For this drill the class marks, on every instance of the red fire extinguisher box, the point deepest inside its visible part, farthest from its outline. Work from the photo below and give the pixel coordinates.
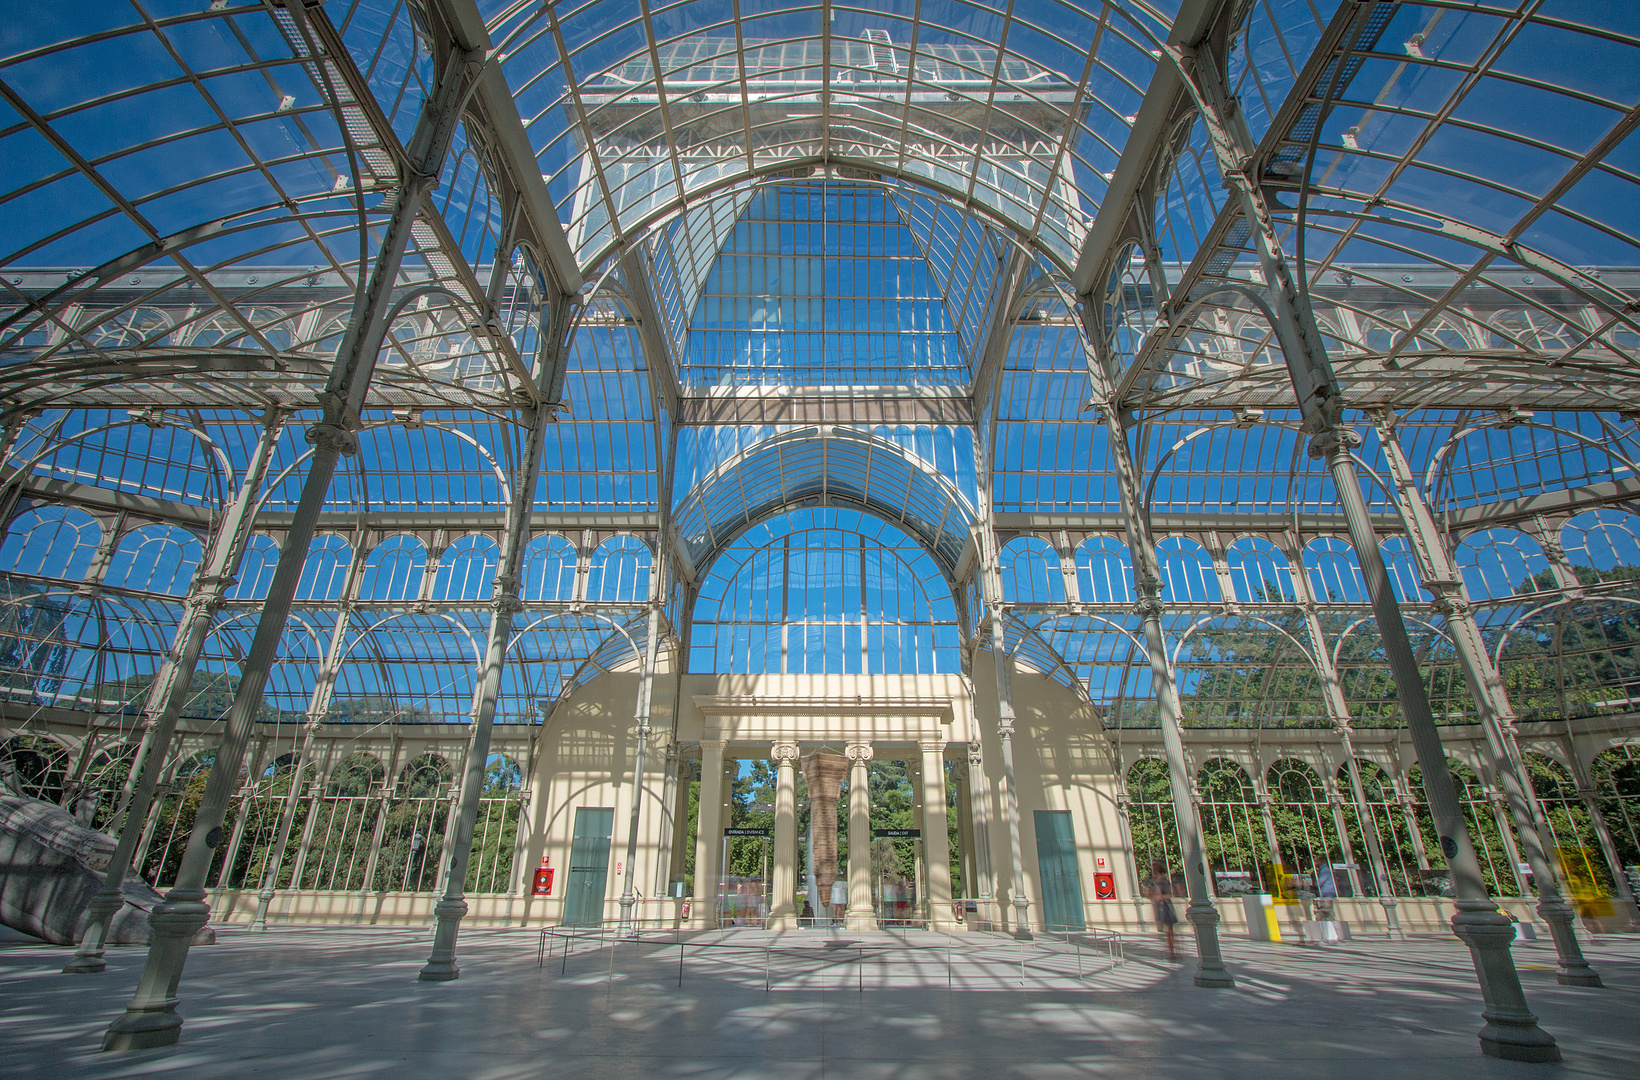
(1104, 886)
(543, 879)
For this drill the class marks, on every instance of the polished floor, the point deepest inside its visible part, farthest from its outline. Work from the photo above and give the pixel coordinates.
(333, 1003)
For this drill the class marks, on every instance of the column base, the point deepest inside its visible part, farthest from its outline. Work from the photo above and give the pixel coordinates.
(862, 920)
(782, 918)
(1572, 969)
(1508, 1050)
(259, 921)
(150, 1019)
(441, 966)
(1511, 1031)
(1210, 970)
(88, 957)
(144, 1031)
(87, 964)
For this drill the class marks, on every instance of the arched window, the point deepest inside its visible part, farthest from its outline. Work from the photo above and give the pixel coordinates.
(1502, 562)
(1187, 571)
(1603, 544)
(345, 824)
(490, 869)
(824, 592)
(413, 839)
(355, 775)
(1329, 563)
(255, 569)
(155, 558)
(393, 570)
(1304, 826)
(325, 571)
(619, 570)
(549, 569)
(51, 541)
(1104, 574)
(466, 570)
(1030, 573)
(1403, 570)
(1616, 776)
(1485, 834)
(1151, 818)
(1260, 572)
(1575, 840)
(1232, 828)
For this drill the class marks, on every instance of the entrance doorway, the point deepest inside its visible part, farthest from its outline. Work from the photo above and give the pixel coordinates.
(1056, 861)
(588, 866)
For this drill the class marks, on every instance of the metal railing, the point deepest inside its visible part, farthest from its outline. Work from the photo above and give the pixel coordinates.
(1092, 951)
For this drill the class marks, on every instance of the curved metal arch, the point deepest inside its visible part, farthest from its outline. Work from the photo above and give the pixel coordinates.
(576, 680)
(1565, 601)
(834, 499)
(1132, 637)
(362, 634)
(1363, 620)
(272, 483)
(1202, 622)
(1436, 472)
(225, 477)
(622, 241)
(1028, 631)
(96, 611)
(1156, 472)
(605, 285)
(306, 628)
(786, 498)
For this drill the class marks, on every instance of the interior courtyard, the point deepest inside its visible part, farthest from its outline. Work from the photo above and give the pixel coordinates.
(757, 538)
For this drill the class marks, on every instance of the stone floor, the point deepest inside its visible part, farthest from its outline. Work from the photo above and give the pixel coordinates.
(329, 1003)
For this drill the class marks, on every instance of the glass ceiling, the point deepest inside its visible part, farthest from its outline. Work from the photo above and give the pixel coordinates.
(891, 228)
(1017, 113)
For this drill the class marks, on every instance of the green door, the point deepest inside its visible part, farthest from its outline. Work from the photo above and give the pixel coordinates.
(588, 866)
(1056, 861)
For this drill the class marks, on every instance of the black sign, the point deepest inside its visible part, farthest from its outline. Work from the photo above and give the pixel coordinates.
(745, 832)
(896, 832)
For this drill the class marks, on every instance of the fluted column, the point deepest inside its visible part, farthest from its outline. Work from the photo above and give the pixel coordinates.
(150, 1018)
(936, 834)
(708, 833)
(783, 912)
(169, 693)
(1201, 911)
(860, 914)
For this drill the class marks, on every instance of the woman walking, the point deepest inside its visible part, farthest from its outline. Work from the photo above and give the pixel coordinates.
(1161, 903)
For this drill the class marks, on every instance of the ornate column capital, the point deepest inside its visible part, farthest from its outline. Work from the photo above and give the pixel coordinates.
(784, 754)
(859, 753)
(713, 744)
(931, 746)
(327, 435)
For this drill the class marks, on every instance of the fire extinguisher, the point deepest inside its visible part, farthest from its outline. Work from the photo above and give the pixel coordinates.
(686, 907)
(543, 878)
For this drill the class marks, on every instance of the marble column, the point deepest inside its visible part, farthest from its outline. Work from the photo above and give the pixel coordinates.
(783, 910)
(708, 833)
(965, 828)
(860, 914)
(936, 835)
